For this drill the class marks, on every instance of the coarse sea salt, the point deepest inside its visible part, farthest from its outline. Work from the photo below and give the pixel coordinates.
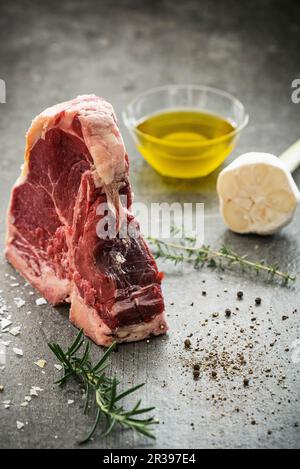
(18, 351)
(40, 363)
(34, 391)
(20, 425)
(19, 302)
(40, 301)
(15, 330)
(5, 323)
(5, 343)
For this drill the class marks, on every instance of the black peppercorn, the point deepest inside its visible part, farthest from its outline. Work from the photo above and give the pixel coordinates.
(240, 295)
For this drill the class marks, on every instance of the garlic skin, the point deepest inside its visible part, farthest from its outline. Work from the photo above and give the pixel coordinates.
(257, 194)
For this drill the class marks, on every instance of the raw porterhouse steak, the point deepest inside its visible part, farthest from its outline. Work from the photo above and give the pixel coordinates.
(75, 160)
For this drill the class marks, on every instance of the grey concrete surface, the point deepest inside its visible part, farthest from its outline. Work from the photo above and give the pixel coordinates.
(53, 51)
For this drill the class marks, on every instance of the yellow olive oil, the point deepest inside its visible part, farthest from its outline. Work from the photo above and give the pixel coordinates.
(185, 143)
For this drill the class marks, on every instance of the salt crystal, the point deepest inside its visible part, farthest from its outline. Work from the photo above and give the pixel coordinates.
(70, 401)
(58, 367)
(20, 425)
(15, 330)
(120, 258)
(40, 363)
(5, 343)
(19, 302)
(37, 388)
(5, 323)
(24, 404)
(14, 284)
(40, 301)
(27, 398)
(18, 352)
(34, 391)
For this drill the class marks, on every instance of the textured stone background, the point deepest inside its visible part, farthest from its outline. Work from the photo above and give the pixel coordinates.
(52, 51)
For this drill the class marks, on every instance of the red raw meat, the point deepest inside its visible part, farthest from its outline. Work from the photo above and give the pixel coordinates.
(75, 160)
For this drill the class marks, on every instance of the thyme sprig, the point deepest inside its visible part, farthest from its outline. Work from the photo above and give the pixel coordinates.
(186, 251)
(102, 390)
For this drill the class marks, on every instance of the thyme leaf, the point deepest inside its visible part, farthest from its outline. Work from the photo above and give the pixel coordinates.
(185, 250)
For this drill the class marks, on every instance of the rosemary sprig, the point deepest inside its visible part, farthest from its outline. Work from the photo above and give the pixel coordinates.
(186, 251)
(102, 390)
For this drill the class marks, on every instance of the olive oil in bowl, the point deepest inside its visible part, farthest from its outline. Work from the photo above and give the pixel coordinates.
(185, 143)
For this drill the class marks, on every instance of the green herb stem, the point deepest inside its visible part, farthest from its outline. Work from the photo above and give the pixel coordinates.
(187, 252)
(101, 390)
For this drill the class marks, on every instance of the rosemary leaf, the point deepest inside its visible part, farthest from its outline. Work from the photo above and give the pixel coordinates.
(101, 389)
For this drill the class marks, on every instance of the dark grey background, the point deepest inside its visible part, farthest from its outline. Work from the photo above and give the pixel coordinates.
(53, 51)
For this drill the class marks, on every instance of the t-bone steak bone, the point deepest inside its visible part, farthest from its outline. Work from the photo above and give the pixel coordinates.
(75, 160)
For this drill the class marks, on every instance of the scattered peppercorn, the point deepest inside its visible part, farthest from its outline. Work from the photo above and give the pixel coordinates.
(187, 343)
(196, 374)
(204, 293)
(258, 301)
(214, 374)
(240, 295)
(246, 382)
(196, 367)
(284, 318)
(227, 313)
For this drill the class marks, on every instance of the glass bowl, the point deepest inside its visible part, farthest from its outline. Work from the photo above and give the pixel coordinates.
(191, 158)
